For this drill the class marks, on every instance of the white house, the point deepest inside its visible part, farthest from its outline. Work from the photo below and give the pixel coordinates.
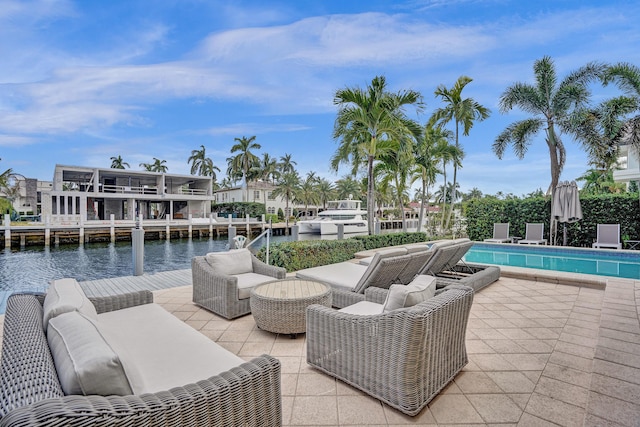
(629, 165)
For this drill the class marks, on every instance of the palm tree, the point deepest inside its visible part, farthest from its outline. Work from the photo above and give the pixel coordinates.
(288, 187)
(201, 164)
(325, 191)
(429, 152)
(242, 162)
(268, 168)
(307, 193)
(394, 168)
(551, 104)
(462, 111)
(627, 77)
(348, 187)
(118, 163)
(364, 120)
(286, 164)
(157, 166)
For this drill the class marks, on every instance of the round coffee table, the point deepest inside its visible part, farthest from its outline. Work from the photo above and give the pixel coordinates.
(280, 306)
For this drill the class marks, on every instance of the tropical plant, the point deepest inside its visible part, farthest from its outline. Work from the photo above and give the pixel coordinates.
(364, 120)
(325, 191)
(157, 166)
(118, 163)
(627, 77)
(347, 188)
(201, 164)
(241, 163)
(268, 168)
(286, 164)
(288, 187)
(394, 168)
(463, 112)
(307, 193)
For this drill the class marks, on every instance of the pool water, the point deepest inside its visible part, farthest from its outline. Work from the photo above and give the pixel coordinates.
(615, 263)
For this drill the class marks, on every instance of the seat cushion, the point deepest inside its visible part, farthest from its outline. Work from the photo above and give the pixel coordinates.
(363, 308)
(248, 281)
(342, 275)
(85, 362)
(160, 352)
(420, 289)
(236, 261)
(63, 296)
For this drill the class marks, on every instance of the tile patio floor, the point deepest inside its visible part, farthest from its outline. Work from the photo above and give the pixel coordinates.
(540, 354)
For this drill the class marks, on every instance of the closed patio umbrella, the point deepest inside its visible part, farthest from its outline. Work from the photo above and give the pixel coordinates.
(566, 205)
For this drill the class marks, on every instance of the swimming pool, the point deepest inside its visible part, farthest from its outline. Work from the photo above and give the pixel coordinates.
(614, 263)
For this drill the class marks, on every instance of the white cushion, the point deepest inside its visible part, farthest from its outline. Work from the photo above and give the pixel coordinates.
(248, 281)
(236, 261)
(420, 289)
(160, 352)
(342, 275)
(363, 308)
(85, 362)
(63, 296)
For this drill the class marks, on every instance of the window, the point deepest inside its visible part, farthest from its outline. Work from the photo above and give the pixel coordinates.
(270, 196)
(271, 210)
(256, 195)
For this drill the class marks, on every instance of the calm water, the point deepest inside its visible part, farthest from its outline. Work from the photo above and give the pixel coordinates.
(614, 263)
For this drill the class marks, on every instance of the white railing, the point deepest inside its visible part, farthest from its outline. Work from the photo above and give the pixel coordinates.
(128, 190)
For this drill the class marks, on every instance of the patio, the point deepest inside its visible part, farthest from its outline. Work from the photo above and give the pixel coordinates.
(540, 354)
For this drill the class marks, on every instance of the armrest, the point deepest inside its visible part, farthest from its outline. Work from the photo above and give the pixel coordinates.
(375, 294)
(260, 267)
(118, 302)
(245, 395)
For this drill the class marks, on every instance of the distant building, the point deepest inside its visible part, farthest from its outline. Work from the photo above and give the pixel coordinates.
(628, 164)
(89, 194)
(26, 195)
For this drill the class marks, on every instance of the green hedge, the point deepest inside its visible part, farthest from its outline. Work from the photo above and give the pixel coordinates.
(623, 209)
(241, 209)
(295, 256)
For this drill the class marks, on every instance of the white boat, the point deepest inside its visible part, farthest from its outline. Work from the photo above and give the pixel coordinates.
(346, 212)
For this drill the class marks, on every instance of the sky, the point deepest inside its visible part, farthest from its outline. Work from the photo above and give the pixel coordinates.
(83, 81)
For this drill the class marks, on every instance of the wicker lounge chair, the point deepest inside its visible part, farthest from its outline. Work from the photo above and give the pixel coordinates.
(534, 235)
(348, 280)
(228, 294)
(404, 357)
(608, 236)
(500, 233)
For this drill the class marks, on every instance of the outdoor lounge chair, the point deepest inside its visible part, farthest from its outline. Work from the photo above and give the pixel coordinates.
(534, 235)
(222, 281)
(349, 280)
(403, 357)
(500, 233)
(608, 236)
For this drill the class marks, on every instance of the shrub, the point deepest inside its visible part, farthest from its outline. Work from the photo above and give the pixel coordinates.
(271, 217)
(240, 209)
(294, 256)
(390, 239)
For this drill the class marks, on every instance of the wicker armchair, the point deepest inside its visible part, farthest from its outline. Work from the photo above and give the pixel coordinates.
(220, 293)
(403, 357)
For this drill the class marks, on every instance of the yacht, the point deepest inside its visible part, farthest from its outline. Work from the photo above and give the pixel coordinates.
(347, 212)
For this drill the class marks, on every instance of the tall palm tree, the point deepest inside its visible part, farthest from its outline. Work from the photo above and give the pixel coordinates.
(429, 152)
(394, 168)
(551, 103)
(288, 187)
(268, 168)
(241, 163)
(157, 166)
(447, 153)
(118, 163)
(348, 187)
(286, 164)
(201, 164)
(364, 120)
(307, 193)
(326, 191)
(462, 111)
(627, 77)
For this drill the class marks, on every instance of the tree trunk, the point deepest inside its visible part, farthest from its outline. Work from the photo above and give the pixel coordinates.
(421, 214)
(455, 175)
(370, 196)
(555, 177)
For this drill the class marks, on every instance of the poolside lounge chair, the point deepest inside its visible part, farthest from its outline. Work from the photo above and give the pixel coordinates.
(403, 357)
(534, 235)
(608, 236)
(349, 280)
(500, 233)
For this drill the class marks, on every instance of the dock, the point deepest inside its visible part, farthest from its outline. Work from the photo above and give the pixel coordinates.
(125, 284)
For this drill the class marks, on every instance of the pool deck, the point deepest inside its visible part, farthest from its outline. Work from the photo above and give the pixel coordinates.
(541, 353)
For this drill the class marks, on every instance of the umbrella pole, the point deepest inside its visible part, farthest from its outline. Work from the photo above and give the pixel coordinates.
(564, 238)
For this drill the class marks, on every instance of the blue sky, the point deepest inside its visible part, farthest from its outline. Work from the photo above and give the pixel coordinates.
(82, 81)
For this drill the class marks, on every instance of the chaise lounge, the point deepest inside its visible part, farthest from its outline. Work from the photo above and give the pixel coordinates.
(68, 360)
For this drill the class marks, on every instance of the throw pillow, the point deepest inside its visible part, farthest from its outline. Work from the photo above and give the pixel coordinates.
(420, 289)
(235, 261)
(85, 362)
(63, 296)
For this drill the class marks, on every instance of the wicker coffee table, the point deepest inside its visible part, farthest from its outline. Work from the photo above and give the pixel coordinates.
(280, 306)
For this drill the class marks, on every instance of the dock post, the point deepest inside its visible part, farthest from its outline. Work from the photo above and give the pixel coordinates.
(112, 229)
(190, 225)
(23, 240)
(7, 231)
(231, 235)
(340, 231)
(211, 226)
(81, 231)
(376, 227)
(137, 247)
(47, 230)
(248, 226)
(168, 228)
(294, 232)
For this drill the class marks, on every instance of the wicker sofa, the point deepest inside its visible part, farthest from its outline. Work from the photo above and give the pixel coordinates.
(33, 380)
(402, 357)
